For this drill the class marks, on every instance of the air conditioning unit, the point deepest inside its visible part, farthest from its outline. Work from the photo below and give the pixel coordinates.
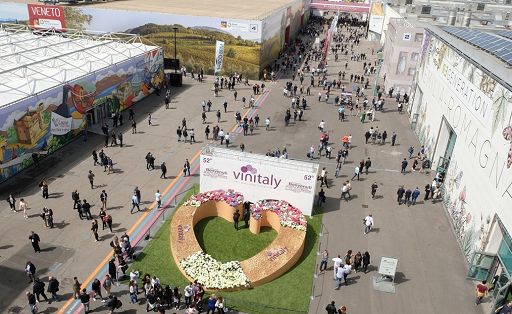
(426, 9)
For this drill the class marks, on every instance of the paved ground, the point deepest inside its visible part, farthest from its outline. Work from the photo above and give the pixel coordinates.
(431, 270)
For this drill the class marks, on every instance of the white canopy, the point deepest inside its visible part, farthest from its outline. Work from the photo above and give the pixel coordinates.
(32, 61)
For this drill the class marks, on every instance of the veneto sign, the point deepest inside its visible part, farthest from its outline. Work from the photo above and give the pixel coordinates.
(46, 16)
(258, 177)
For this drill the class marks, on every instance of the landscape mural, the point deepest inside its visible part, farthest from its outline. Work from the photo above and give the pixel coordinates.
(25, 126)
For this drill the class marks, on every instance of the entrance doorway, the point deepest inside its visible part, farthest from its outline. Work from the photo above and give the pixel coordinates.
(98, 115)
(446, 140)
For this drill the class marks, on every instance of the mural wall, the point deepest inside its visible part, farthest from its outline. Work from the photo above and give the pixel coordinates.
(279, 26)
(479, 110)
(40, 124)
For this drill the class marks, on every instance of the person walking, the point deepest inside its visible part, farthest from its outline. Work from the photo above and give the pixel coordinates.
(94, 229)
(186, 168)
(12, 202)
(367, 165)
(163, 168)
(481, 291)
(34, 240)
(393, 139)
(374, 188)
(158, 199)
(404, 166)
(400, 194)
(331, 308)
(135, 202)
(53, 288)
(30, 270)
(236, 218)
(85, 298)
(323, 262)
(368, 223)
(76, 288)
(96, 289)
(366, 261)
(323, 178)
(415, 194)
(218, 116)
(103, 199)
(91, 178)
(31, 298)
(86, 210)
(407, 197)
(428, 188)
(410, 150)
(267, 124)
(23, 207)
(356, 173)
(38, 290)
(107, 284)
(179, 133)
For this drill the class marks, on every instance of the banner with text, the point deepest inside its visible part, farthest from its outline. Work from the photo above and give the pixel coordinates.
(219, 55)
(46, 16)
(261, 177)
(60, 125)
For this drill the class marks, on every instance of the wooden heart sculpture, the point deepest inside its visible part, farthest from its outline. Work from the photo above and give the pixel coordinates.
(265, 266)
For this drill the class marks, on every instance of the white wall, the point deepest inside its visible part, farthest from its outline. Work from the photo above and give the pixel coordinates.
(479, 179)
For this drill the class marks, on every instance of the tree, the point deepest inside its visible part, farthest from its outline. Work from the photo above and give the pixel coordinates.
(231, 53)
(75, 19)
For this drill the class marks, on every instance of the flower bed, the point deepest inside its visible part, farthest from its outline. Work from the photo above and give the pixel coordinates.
(214, 274)
(289, 216)
(231, 197)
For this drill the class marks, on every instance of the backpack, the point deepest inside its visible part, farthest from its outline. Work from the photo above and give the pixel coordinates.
(119, 304)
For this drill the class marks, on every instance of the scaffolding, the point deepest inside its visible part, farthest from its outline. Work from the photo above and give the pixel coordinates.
(33, 61)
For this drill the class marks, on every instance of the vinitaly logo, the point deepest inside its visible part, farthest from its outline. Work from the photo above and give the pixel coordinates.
(250, 174)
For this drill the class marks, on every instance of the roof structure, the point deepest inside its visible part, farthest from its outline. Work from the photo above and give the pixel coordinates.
(234, 9)
(33, 61)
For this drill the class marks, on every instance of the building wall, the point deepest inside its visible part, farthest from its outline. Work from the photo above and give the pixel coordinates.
(401, 54)
(274, 28)
(479, 110)
(25, 126)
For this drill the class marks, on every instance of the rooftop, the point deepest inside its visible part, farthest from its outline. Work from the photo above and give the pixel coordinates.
(31, 63)
(235, 9)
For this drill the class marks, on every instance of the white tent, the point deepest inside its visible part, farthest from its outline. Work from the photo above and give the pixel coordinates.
(33, 61)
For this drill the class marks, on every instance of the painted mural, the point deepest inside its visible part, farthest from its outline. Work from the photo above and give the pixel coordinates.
(26, 126)
(280, 26)
(479, 109)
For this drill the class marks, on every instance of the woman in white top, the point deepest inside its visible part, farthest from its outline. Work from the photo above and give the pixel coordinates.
(23, 207)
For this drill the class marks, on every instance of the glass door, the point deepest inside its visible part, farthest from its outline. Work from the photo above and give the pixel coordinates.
(481, 266)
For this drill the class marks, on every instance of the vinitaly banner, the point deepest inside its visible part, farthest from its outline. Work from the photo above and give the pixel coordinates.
(259, 177)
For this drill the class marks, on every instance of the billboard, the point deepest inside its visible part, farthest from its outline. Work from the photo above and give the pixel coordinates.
(259, 177)
(46, 16)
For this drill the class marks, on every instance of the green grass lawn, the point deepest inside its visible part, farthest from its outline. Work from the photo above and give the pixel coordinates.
(213, 232)
(288, 294)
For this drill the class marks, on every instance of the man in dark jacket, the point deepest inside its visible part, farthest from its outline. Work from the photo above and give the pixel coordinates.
(400, 194)
(38, 289)
(53, 288)
(34, 239)
(331, 308)
(84, 299)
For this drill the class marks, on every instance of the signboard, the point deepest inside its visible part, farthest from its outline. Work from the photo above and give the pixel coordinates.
(387, 266)
(241, 27)
(46, 16)
(219, 55)
(259, 177)
(60, 125)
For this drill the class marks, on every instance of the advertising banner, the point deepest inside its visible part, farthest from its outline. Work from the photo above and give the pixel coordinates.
(46, 16)
(259, 177)
(219, 55)
(60, 125)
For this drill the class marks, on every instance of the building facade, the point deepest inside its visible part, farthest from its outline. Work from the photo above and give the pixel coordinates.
(462, 113)
(401, 54)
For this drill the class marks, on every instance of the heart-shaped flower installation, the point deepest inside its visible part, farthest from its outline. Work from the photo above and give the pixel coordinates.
(265, 266)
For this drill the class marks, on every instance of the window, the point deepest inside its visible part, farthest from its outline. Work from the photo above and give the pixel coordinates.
(418, 37)
(411, 71)
(415, 56)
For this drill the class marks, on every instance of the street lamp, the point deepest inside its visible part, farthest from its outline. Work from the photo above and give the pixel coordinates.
(175, 57)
